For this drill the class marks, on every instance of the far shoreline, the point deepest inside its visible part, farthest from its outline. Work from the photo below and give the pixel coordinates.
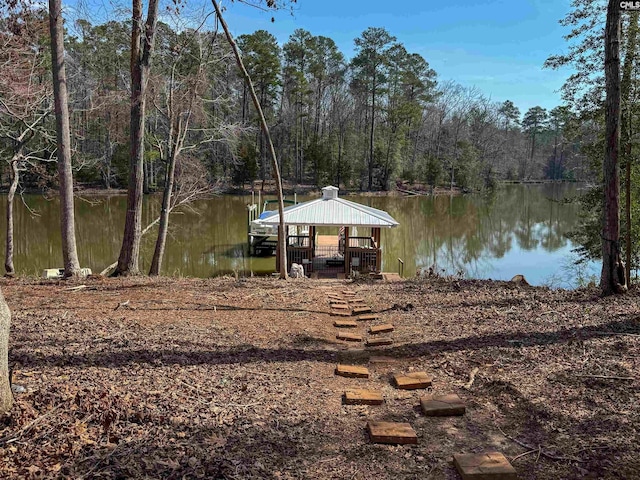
(401, 189)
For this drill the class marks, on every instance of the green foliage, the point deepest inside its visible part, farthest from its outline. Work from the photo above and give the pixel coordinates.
(120, 165)
(246, 168)
(432, 170)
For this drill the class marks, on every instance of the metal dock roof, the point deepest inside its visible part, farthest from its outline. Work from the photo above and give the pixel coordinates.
(330, 210)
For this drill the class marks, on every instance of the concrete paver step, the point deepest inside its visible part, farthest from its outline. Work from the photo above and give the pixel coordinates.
(359, 396)
(361, 310)
(340, 306)
(391, 432)
(383, 328)
(442, 405)
(379, 341)
(352, 371)
(345, 323)
(413, 380)
(484, 466)
(349, 337)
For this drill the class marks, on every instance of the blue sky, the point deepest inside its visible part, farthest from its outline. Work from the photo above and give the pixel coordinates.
(497, 45)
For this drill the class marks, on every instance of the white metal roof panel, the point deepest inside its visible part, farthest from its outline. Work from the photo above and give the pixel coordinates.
(333, 212)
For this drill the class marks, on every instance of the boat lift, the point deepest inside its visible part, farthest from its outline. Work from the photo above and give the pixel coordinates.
(263, 239)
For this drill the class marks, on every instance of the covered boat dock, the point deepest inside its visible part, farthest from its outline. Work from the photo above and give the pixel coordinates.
(355, 246)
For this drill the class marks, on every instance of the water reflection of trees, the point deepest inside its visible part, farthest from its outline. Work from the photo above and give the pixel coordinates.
(462, 233)
(468, 233)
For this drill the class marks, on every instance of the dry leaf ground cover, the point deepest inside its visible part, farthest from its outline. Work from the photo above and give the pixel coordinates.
(227, 379)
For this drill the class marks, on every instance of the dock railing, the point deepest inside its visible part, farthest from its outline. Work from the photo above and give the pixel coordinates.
(362, 254)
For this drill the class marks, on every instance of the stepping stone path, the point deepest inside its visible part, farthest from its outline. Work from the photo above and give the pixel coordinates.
(391, 432)
(359, 396)
(442, 405)
(384, 328)
(352, 371)
(413, 380)
(484, 466)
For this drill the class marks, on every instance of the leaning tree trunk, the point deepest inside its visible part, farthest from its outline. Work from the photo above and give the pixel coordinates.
(161, 241)
(612, 279)
(282, 247)
(141, 50)
(6, 397)
(65, 176)
(15, 179)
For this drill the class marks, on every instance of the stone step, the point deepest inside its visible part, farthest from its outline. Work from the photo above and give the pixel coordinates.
(356, 300)
(345, 323)
(379, 341)
(334, 302)
(383, 328)
(391, 432)
(352, 371)
(349, 337)
(340, 306)
(484, 466)
(340, 313)
(360, 310)
(370, 316)
(413, 380)
(442, 405)
(358, 396)
(348, 292)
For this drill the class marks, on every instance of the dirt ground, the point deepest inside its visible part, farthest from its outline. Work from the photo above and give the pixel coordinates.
(234, 379)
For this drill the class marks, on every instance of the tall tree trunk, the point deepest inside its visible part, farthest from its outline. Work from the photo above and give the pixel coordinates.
(141, 51)
(373, 124)
(6, 397)
(626, 127)
(15, 179)
(65, 176)
(612, 279)
(282, 247)
(177, 132)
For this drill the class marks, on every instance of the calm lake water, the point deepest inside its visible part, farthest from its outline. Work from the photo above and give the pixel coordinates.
(518, 230)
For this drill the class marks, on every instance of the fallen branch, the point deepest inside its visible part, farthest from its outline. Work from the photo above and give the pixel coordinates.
(605, 377)
(472, 378)
(12, 438)
(622, 334)
(539, 449)
(525, 454)
(124, 305)
(279, 374)
(74, 289)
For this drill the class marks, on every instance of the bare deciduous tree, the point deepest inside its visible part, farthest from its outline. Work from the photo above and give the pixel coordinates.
(142, 40)
(65, 176)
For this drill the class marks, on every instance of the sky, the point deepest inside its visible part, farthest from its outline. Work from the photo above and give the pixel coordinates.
(499, 46)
